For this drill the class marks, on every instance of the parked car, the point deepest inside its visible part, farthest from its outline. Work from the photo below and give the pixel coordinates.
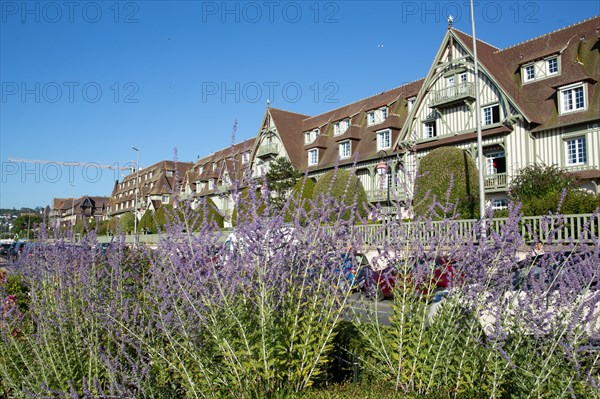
(545, 270)
(354, 266)
(4, 247)
(380, 285)
(16, 249)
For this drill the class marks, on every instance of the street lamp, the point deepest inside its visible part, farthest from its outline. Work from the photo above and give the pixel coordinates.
(74, 218)
(383, 169)
(137, 182)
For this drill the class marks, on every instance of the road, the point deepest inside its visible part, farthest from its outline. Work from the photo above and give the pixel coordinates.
(366, 309)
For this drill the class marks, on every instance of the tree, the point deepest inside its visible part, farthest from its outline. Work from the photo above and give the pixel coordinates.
(25, 224)
(82, 227)
(540, 189)
(345, 187)
(281, 178)
(437, 171)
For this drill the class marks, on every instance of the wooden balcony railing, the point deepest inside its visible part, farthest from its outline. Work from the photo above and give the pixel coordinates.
(495, 181)
(452, 94)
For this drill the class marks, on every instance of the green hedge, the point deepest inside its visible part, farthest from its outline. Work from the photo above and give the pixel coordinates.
(302, 194)
(241, 212)
(345, 187)
(435, 172)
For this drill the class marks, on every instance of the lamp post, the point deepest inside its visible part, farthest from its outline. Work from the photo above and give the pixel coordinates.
(137, 182)
(383, 170)
(74, 218)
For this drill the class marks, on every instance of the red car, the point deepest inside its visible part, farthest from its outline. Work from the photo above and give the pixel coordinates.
(380, 284)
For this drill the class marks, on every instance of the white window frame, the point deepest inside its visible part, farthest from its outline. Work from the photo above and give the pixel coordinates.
(306, 137)
(570, 90)
(245, 157)
(580, 147)
(384, 139)
(371, 118)
(164, 199)
(313, 157)
(525, 71)
(377, 116)
(491, 121)
(450, 86)
(211, 184)
(340, 127)
(411, 103)
(499, 204)
(547, 62)
(345, 149)
(429, 130)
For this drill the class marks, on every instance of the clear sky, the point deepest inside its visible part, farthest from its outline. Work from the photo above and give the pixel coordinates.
(86, 81)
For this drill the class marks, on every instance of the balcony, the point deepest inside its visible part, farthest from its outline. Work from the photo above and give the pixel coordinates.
(268, 150)
(380, 195)
(452, 95)
(497, 181)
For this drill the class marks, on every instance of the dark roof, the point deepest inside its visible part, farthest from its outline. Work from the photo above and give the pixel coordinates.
(579, 47)
(292, 127)
(289, 127)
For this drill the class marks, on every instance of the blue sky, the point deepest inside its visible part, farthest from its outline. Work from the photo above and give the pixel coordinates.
(84, 81)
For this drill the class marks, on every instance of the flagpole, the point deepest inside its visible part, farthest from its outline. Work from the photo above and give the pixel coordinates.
(478, 123)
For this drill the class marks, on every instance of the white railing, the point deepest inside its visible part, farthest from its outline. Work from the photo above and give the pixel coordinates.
(584, 229)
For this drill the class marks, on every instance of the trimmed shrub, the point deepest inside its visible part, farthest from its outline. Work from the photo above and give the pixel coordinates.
(207, 210)
(242, 211)
(147, 223)
(578, 201)
(164, 215)
(127, 222)
(103, 227)
(447, 176)
(302, 194)
(345, 187)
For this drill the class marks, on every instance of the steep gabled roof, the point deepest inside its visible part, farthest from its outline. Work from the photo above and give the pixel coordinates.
(289, 127)
(579, 49)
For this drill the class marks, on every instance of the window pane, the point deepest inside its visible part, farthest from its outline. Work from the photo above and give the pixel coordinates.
(578, 97)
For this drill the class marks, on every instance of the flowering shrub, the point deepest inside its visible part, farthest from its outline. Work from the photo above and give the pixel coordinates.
(195, 318)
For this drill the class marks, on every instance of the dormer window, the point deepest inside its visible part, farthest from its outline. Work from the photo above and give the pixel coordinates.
(214, 166)
(309, 137)
(245, 157)
(377, 116)
(211, 184)
(572, 98)
(528, 73)
(552, 66)
(340, 127)
(169, 173)
(384, 139)
(201, 169)
(411, 103)
(345, 149)
(541, 69)
(313, 157)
